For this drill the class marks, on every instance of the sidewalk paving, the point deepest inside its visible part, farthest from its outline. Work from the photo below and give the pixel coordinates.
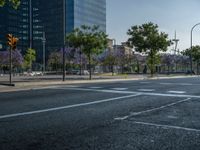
(28, 83)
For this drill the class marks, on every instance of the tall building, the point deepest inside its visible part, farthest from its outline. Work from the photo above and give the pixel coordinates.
(86, 12)
(36, 17)
(15, 22)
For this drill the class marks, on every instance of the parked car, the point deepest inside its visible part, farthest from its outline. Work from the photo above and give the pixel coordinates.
(33, 73)
(84, 72)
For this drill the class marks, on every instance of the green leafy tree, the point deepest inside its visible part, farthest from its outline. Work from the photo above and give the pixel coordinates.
(194, 52)
(29, 58)
(14, 3)
(90, 39)
(147, 39)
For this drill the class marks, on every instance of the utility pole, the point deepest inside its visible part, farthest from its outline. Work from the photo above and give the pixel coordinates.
(64, 32)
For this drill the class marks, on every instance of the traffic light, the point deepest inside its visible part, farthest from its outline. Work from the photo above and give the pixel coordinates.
(9, 39)
(12, 41)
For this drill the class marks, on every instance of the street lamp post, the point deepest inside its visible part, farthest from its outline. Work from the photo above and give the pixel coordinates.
(191, 66)
(64, 32)
(44, 49)
(115, 48)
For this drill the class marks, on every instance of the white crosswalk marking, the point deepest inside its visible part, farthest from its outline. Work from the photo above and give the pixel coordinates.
(119, 89)
(95, 87)
(177, 92)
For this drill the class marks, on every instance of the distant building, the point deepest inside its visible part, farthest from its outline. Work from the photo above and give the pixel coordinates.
(34, 17)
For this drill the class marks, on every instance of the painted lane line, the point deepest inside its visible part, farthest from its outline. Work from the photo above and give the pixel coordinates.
(146, 90)
(184, 84)
(152, 110)
(167, 126)
(66, 107)
(159, 108)
(132, 92)
(75, 86)
(177, 92)
(121, 118)
(95, 87)
(166, 83)
(99, 90)
(187, 84)
(120, 89)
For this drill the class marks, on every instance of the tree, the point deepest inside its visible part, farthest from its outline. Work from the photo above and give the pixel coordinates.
(17, 59)
(195, 53)
(54, 60)
(29, 58)
(90, 40)
(147, 39)
(14, 3)
(108, 58)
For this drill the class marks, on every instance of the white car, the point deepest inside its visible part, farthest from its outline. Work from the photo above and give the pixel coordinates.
(84, 72)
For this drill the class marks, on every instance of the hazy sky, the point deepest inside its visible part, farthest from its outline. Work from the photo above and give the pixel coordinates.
(170, 15)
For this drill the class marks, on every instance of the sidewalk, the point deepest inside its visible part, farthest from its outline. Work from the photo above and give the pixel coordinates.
(40, 82)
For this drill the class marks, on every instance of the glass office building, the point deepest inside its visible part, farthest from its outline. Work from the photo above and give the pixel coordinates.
(86, 12)
(35, 17)
(15, 22)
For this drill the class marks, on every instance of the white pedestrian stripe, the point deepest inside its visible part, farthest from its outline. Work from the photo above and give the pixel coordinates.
(166, 83)
(177, 92)
(186, 84)
(66, 107)
(133, 92)
(73, 86)
(120, 89)
(95, 87)
(146, 90)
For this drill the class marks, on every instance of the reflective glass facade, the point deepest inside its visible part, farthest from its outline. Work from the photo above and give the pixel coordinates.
(32, 19)
(15, 22)
(90, 12)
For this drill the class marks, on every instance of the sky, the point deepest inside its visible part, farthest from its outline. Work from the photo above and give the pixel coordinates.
(169, 15)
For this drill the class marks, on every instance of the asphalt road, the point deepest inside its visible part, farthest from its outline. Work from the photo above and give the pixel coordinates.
(128, 115)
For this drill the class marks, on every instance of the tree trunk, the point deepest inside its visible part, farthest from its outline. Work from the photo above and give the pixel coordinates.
(90, 69)
(81, 64)
(112, 70)
(152, 65)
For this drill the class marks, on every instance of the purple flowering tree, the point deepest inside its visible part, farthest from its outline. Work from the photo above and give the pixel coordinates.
(54, 61)
(17, 59)
(168, 60)
(80, 59)
(107, 58)
(121, 58)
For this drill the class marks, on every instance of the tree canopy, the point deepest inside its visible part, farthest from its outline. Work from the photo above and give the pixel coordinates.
(29, 57)
(147, 39)
(14, 3)
(193, 52)
(89, 39)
